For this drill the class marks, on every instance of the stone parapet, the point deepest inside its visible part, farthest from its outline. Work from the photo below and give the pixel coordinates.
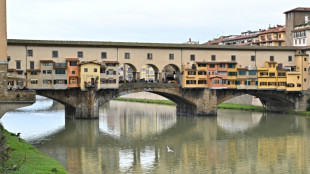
(21, 96)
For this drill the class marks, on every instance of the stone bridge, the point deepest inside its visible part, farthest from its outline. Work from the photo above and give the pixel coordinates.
(198, 101)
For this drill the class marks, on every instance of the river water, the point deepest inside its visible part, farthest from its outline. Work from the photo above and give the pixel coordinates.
(149, 138)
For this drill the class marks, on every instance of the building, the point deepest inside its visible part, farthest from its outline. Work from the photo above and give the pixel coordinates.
(109, 75)
(273, 36)
(89, 74)
(294, 18)
(246, 38)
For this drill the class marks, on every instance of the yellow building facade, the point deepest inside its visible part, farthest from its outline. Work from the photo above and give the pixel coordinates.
(89, 75)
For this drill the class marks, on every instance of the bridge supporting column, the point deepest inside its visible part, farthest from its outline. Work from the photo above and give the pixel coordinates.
(207, 102)
(86, 107)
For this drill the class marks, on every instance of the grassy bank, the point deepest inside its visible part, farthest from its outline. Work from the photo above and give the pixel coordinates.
(24, 158)
(304, 113)
(165, 102)
(241, 107)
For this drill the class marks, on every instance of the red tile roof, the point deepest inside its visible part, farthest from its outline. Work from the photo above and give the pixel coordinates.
(301, 28)
(299, 9)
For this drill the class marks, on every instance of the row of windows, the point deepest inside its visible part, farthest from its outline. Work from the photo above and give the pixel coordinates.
(300, 34)
(298, 41)
(150, 55)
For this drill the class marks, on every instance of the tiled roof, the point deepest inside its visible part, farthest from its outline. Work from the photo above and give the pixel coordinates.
(110, 61)
(274, 30)
(46, 61)
(97, 44)
(301, 28)
(76, 59)
(299, 9)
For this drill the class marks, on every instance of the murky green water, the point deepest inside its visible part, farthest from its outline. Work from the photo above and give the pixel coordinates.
(148, 138)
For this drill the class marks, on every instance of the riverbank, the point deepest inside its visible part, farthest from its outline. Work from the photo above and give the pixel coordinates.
(165, 102)
(25, 158)
(241, 107)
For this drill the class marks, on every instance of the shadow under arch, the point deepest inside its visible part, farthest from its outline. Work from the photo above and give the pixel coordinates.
(278, 101)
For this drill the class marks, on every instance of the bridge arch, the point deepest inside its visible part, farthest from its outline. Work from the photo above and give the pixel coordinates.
(171, 72)
(278, 101)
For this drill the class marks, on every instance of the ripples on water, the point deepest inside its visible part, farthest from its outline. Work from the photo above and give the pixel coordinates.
(133, 138)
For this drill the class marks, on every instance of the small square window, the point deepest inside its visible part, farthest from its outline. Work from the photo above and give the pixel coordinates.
(171, 56)
(305, 69)
(271, 58)
(149, 56)
(95, 69)
(85, 70)
(305, 80)
(103, 55)
(55, 54)
(252, 58)
(30, 53)
(305, 59)
(192, 57)
(127, 55)
(290, 58)
(233, 58)
(213, 57)
(73, 72)
(80, 54)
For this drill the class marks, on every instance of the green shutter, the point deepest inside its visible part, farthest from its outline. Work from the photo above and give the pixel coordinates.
(54, 82)
(65, 81)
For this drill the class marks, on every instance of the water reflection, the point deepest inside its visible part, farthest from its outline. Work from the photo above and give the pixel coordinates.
(133, 138)
(132, 120)
(234, 122)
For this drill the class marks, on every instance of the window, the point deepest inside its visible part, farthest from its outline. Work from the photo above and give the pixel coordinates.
(290, 58)
(252, 58)
(20, 72)
(102, 70)
(305, 69)
(54, 54)
(32, 81)
(49, 71)
(60, 71)
(281, 74)
(305, 80)
(232, 73)
(18, 64)
(202, 73)
(213, 57)
(47, 64)
(31, 64)
(73, 63)
(44, 71)
(60, 81)
(171, 56)
(95, 69)
(191, 73)
(242, 73)
(272, 74)
(127, 55)
(149, 56)
(252, 73)
(47, 81)
(304, 41)
(211, 66)
(33, 73)
(233, 58)
(103, 55)
(80, 54)
(222, 65)
(263, 84)
(263, 74)
(231, 65)
(271, 58)
(30, 53)
(222, 73)
(305, 59)
(111, 72)
(202, 81)
(192, 57)
(190, 81)
(85, 69)
(73, 72)
(295, 41)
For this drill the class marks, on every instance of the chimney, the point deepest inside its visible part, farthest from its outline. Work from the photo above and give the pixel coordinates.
(190, 40)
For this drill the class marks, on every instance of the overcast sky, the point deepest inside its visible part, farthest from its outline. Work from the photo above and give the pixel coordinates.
(169, 21)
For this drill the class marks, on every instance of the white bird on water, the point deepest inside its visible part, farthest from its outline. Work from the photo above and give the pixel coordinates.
(169, 150)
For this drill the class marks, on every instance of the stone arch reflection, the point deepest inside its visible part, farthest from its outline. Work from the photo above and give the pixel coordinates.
(234, 122)
(136, 120)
